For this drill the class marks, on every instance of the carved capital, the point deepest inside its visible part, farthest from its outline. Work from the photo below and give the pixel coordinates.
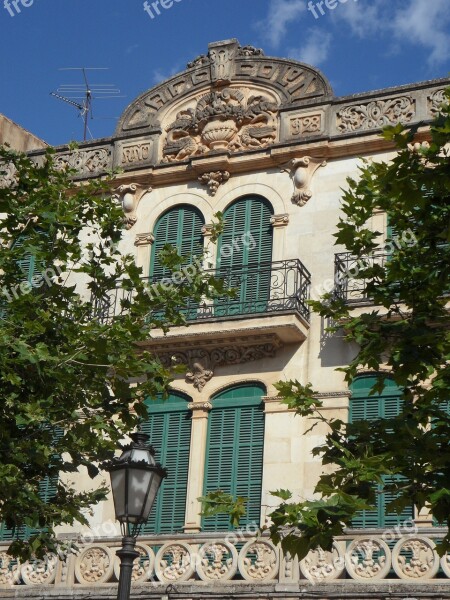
(214, 179)
(279, 220)
(302, 171)
(207, 230)
(200, 406)
(144, 239)
(129, 196)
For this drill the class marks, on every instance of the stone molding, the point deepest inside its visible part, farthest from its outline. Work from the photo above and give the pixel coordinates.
(302, 171)
(144, 239)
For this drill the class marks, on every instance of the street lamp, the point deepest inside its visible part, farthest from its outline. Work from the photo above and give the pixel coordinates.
(135, 481)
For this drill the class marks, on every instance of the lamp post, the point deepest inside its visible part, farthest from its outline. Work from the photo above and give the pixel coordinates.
(135, 481)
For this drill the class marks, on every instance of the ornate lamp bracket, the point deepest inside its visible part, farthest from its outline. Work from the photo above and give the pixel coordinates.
(302, 171)
(129, 196)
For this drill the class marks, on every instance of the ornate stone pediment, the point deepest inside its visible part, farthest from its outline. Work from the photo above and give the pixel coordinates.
(230, 119)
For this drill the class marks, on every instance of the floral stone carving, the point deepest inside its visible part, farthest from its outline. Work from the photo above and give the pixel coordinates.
(415, 558)
(94, 565)
(217, 560)
(320, 565)
(8, 175)
(376, 114)
(302, 171)
(9, 570)
(40, 572)
(214, 179)
(221, 120)
(258, 561)
(86, 162)
(143, 565)
(435, 102)
(368, 558)
(174, 562)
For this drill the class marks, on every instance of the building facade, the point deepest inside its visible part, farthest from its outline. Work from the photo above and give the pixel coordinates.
(264, 141)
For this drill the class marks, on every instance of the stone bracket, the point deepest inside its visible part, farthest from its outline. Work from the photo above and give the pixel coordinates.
(302, 171)
(129, 196)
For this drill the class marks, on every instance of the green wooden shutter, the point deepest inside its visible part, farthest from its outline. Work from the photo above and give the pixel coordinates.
(245, 255)
(234, 452)
(169, 428)
(180, 227)
(386, 405)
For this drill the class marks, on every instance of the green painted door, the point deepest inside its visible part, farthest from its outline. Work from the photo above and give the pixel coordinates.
(245, 255)
(386, 405)
(169, 428)
(234, 451)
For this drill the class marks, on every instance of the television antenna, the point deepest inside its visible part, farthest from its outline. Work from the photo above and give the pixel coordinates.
(86, 93)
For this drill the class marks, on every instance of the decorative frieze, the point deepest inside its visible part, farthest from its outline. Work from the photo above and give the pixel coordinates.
(376, 114)
(303, 125)
(435, 102)
(129, 196)
(214, 179)
(302, 171)
(135, 153)
(85, 162)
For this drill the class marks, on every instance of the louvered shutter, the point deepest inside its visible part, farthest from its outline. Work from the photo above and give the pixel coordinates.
(234, 454)
(169, 428)
(387, 405)
(245, 255)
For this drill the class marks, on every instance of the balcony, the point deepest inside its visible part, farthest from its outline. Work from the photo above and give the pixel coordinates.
(346, 268)
(363, 563)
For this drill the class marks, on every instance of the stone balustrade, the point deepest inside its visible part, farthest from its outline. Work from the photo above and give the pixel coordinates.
(367, 557)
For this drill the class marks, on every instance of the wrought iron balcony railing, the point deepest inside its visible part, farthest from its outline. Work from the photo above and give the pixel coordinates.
(272, 287)
(348, 286)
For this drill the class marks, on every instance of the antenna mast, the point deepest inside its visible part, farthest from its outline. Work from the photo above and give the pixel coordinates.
(87, 93)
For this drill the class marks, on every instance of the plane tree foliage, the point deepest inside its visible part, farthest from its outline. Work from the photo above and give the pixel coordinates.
(404, 335)
(65, 369)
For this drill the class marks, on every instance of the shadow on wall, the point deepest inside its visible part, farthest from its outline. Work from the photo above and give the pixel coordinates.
(334, 350)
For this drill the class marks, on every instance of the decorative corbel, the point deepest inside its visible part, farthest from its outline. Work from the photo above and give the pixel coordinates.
(214, 179)
(129, 195)
(302, 170)
(279, 220)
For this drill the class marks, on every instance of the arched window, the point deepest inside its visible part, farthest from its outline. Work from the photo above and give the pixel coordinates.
(180, 227)
(234, 450)
(386, 405)
(245, 255)
(169, 428)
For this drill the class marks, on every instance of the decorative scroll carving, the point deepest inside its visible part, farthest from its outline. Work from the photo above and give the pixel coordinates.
(368, 558)
(214, 179)
(143, 565)
(222, 120)
(200, 406)
(129, 196)
(94, 565)
(144, 239)
(217, 561)
(258, 561)
(8, 175)
(40, 572)
(445, 564)
(419, 561)
(302, 171)
(201, 363)
(279, 220)
(9, 570)
(306, 124)
(247, 51)
(376, 114)
(174, 562)
(435, 102)
(320, 565)
(85, 162)
(200, 61)
(135, 153)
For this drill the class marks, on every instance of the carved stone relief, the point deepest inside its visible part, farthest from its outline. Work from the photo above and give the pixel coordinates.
(85, 162)
(303, 125)
(302, 171)
(378, 113)
(137, 152)
(279, 220)
(129, 196)
(201, 362)
(435, 101)
(229, 120)
(7, 175)
(214, 179)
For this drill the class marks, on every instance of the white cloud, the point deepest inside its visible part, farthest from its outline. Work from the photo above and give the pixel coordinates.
(426, 23)
(363, 18)
(159, 76)
(281, 14)
(316, 50)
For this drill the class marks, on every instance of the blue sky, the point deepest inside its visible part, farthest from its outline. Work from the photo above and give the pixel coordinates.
(359, 44)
